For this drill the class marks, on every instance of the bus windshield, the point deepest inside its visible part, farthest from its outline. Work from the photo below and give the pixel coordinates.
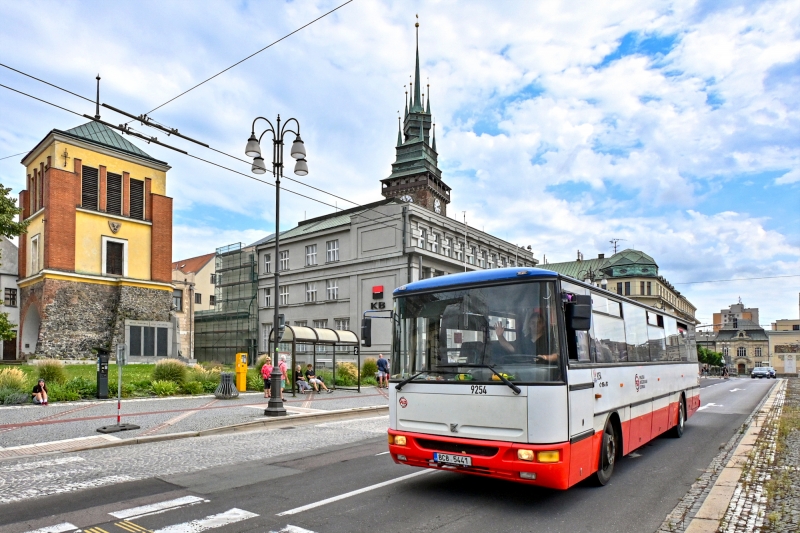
(456, 335)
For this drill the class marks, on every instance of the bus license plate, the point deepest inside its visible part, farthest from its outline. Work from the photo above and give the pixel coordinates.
(448, 458)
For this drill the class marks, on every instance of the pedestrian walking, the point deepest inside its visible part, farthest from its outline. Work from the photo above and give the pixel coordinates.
(282, 366)
(725, 372)
(266, 371)
(40, 393)
(383, 372)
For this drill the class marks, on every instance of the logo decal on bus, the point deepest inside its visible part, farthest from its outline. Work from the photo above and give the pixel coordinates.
(403, 402)
(636, 380)
(453, 428)
(641, 383)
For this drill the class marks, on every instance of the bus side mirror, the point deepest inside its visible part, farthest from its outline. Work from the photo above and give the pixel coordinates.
(579, 313)
(366, 332)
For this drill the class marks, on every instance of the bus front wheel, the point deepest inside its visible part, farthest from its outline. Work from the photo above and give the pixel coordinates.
(677, 431)
(608, 454)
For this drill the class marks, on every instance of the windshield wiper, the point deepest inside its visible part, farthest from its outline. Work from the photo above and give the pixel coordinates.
(407, 380)
(513, 387)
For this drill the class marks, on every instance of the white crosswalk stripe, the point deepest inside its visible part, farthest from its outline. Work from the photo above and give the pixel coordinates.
(230, 516)
(292, 529)
(156, 508)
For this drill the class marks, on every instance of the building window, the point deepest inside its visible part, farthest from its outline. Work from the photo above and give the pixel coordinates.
(89, 188)
(284, 294)
(212, 300)
(758, 351)
(725, 351)
(213, 279)
(267, 263)
(115, 258)
(283, 258)
(492, 261)
(641, 287)
(471, 256)
(448, 247)
(198, 298)
(741, 351)
(627, 288)
(311, 255)
(137, 199)
(619, 288)
(113, 193)
(332, 289)
(311, 292)
(10, 299)
(177, 299)
(332, 251)
(649, 289)
(735, 323)
(460, 251)
(342, 324)
(435, 242)
(320, 323)
(34, 254)
(795, 327)
(267, 297)
(423, 236)
(504, 261)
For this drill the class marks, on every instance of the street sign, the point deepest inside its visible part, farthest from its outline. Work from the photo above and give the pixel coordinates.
(122, 357)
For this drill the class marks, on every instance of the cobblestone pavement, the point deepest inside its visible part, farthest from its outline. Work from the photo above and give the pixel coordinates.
(687, 508)
(37, 477)
(26, 425)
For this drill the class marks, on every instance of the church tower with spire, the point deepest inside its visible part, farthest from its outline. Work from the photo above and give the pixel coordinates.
(416, 177)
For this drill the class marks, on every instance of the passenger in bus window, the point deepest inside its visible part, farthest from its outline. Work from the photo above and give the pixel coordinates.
(534, 339)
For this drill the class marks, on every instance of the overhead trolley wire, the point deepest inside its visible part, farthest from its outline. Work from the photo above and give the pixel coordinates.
(250, 56)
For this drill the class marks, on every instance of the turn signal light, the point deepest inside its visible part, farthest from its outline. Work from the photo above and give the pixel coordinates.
(525, 455)
(391, 438)
(548, 457)
(399, 440)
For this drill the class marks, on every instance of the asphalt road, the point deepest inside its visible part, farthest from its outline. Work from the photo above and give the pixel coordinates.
(289, 493)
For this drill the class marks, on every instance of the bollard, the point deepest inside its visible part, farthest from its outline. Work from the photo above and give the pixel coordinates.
(226, 389)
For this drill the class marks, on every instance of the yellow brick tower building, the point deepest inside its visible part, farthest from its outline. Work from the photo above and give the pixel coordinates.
(95, 264)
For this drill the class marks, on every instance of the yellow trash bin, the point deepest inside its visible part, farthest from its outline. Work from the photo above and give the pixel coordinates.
(241, 371)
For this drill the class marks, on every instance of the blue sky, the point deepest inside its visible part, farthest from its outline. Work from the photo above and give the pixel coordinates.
(561, 125)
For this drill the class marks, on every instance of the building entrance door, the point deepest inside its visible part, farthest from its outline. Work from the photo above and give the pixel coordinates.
(10, 350)
(741, 369)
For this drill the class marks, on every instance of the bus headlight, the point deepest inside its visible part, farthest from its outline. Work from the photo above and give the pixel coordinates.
(552, 456)
(399, 440)
(525, 455)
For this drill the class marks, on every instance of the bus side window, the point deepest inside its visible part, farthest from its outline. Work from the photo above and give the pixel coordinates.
(609, 336)
(582, 346)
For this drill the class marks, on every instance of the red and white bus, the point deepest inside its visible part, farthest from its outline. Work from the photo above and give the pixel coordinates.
(526, 375)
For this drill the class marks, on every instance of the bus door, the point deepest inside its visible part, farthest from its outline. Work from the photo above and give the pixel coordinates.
(583, 459)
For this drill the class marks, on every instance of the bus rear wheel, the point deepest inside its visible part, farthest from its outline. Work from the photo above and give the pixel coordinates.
(608, 454)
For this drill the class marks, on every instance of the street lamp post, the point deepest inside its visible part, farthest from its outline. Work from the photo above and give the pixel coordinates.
(253, 149)
(589, 276)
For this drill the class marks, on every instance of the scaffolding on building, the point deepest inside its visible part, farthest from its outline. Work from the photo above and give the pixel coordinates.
(231, 327)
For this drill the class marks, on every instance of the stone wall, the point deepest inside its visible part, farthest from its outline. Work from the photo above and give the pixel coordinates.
(77, 317)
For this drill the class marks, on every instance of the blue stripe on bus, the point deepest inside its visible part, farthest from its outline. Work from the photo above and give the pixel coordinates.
(479, 276)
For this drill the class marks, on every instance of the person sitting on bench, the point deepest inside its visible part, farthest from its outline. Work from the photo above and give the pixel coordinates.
(302, 384)
(313, 380)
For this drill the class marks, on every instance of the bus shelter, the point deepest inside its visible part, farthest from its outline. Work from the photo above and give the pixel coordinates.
(324, 349)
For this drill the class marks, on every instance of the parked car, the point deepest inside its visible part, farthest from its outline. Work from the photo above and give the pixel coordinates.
(772, 373)
(760, 372)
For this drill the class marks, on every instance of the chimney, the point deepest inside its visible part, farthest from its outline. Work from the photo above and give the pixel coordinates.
(601, 256)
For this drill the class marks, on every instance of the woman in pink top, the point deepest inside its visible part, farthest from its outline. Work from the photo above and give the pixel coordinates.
(266, 370)
(282, 366)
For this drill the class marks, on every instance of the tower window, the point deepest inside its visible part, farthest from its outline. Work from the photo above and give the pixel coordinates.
(89, 187)
(114, 251)
(113, 194)
(137, 199)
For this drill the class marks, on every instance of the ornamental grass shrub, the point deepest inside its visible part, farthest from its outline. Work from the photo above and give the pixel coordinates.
(192, 387)
(369, 381)
(14, 379)
(52, 371)
(59, 393)
(13, 396)
(163, 387)
(346, 374)
(83, 387)
(128, 389)
(170, 370)
(368, 369)
(260, 361)
(255, 382)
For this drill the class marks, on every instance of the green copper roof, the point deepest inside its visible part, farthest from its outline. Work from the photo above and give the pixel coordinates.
(630, 257)
(98, 133)
(578, 269)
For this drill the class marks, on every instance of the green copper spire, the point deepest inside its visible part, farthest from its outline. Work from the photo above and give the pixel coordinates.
(428, 103)
(406, 99)
(422, 130)
(433, 142)
(417, 100)
(399, 133)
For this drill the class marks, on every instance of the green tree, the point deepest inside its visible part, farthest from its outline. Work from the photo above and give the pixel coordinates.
(709, 357)
(10, 226)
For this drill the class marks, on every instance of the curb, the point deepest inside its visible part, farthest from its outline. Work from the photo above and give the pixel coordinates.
(267, 423)
(715, 505)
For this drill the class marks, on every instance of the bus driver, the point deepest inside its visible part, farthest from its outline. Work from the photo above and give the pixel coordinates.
(533, 339)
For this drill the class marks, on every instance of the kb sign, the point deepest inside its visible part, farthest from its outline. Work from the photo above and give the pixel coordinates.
(375, 306)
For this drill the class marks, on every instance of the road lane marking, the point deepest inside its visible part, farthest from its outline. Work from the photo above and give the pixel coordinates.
(154, 508)
(352, 493)
(58, 528)
(230, 516)
(706, 406)
(40, 464)
(734, 390)
(293, 529)
(131, 527)
(382, 453)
